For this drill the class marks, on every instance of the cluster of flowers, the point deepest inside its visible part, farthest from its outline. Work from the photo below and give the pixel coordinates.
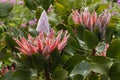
(30, 23)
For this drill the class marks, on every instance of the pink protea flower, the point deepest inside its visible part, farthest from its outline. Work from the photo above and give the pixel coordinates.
(42, 43)
(91, 21)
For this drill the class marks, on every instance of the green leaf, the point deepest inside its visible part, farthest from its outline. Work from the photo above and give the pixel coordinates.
(22, 74)
(17, 61)
(77, 4)
(94, 7)
(5, 9)
(93, 77)
(100, 64)
(60, 74)
(7, 76)
(82, 68)
(54, 18)
(67, 3)
(60, 26)
(114, 72)
(39, 10)
(104, 77)
(70, 20)
(30, 4)
(72, 34)
(95, 1)
(10, 42)
(78, 77)
(72, 44)
(80, 31)
(102, 7)
(60, 9)
(55, 59)
(97, 68)
(114, 49)
(88, 2)
(39, 61)
(5, 55)
(109, 34)
(45, 4)
(74, 60)
(38, 1)
(90, 39)
(27, 60)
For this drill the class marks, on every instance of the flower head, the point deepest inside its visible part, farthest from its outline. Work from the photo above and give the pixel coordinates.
(91, 21)
(42, 43)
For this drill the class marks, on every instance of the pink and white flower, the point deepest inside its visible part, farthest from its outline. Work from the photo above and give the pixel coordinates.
(42, 43)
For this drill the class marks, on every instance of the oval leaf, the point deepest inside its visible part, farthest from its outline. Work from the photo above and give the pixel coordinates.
(90, 39)
(60, 74)
(114, 49)
(82, 68)
(5, 9)
(114, 72)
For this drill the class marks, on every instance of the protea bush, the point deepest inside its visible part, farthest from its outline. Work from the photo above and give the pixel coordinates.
(59, 40)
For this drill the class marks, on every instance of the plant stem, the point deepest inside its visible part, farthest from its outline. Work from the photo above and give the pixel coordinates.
(99, 77)
(93, 52)
(47, 75)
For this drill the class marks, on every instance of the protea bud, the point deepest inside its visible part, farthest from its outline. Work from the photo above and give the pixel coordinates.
(91, 21)
(42, 44)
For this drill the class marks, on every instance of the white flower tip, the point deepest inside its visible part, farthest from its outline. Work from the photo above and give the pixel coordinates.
(43, 24)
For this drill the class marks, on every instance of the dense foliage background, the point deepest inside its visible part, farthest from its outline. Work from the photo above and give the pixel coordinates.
(92, 52)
